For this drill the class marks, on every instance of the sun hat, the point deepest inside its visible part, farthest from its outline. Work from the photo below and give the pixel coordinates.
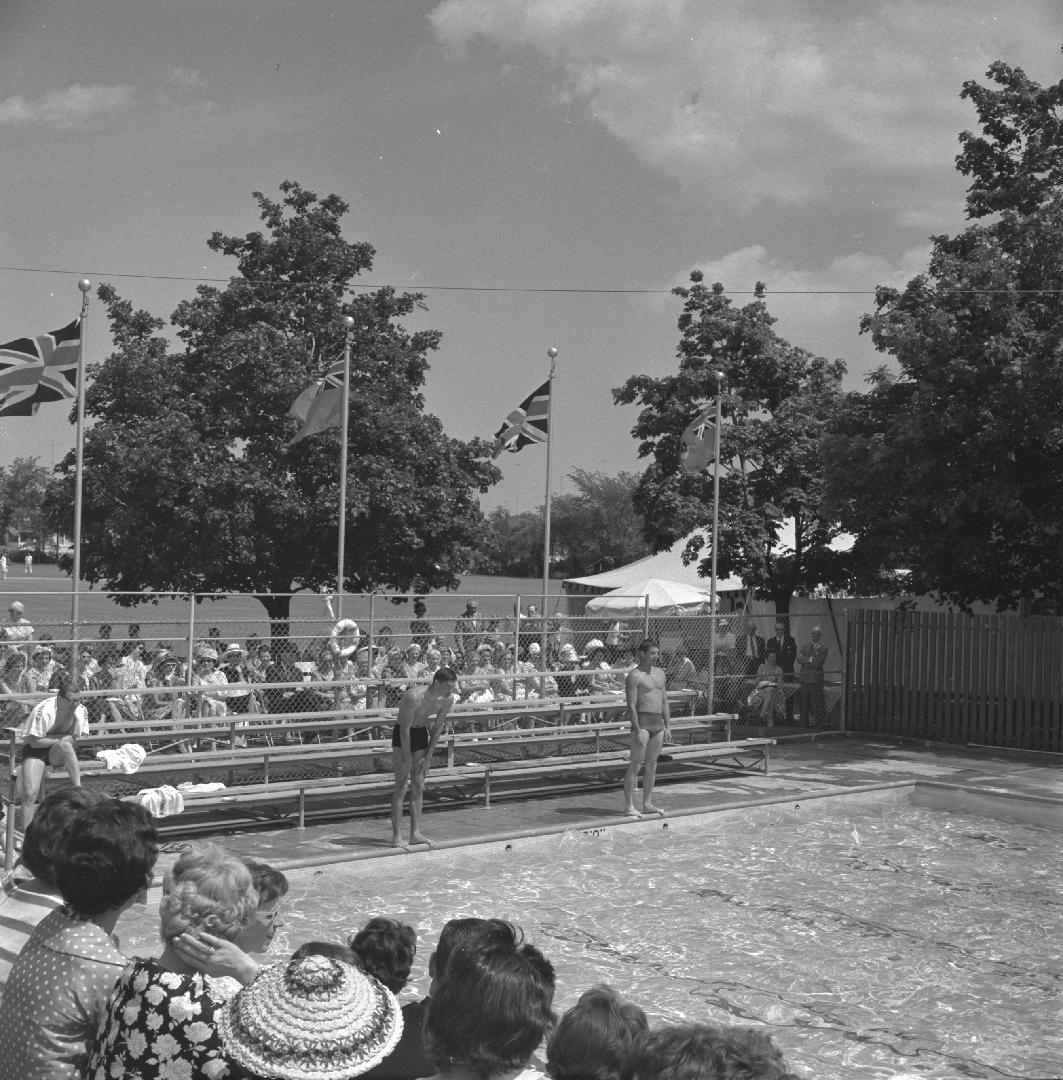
(234, 650)
(313, 1018)
(204, 652)
(534, 649)
(594, 643)
(568, 652)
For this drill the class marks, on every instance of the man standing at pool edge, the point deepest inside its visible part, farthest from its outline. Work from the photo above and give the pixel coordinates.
(413, 745)
(647, 706)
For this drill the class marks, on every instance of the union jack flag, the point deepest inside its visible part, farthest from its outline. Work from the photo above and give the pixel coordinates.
(526, 424)
(320, 406)
(697, 447)
(34, 370)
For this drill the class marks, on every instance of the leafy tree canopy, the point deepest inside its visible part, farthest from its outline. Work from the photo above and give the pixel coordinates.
(953, 467)
(189, 483)
(22, 488)
(777, 398)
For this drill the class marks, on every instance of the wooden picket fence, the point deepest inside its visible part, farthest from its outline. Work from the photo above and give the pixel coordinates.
(991, 680)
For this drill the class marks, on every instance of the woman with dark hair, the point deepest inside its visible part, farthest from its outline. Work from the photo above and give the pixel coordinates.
(16, 705)
(30, 892)
(58, 985)
(595, 1037)
(705, 1052)
(489, 1011)
(385, 948)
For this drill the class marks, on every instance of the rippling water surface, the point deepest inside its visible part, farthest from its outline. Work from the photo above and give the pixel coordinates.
(870, 943)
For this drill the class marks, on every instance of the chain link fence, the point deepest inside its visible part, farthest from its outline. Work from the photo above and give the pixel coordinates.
(180, 656)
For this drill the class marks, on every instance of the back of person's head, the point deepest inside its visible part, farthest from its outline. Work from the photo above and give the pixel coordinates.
(333, 950)
(47, 833)
(595, 1037)
(207, 889)
(270, 884)
(705, 1052)
(469, 933)
(385, 949)
(108, 856)
(489, 1010)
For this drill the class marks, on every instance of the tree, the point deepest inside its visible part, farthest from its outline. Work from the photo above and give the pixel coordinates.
(597, 527)
(189, 481)
(22, 486)
(953, 467)
(511, 544)
(776, 402)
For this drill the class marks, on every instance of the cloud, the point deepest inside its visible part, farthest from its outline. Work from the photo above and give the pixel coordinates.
(773, 100)
(68, 108)
(184, 78)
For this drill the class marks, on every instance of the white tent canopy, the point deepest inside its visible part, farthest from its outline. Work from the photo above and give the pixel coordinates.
(665, 565)
(663, 597)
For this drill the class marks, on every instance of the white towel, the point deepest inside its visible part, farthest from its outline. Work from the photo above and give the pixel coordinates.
(127, 758)
(162, 801)
(193, 789)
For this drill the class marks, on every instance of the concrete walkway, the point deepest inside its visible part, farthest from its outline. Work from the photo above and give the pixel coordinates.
(803, 768)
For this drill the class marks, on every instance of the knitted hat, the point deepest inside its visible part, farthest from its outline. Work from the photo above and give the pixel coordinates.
(313, 1018)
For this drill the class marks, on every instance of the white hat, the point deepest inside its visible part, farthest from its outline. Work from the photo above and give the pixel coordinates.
(568, 652)
(534, 649)
(594, 643)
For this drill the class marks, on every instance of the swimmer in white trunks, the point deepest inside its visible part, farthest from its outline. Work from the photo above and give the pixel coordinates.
(647, 706)
(413, 741)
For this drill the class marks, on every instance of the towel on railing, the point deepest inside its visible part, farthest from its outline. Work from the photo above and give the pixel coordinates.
(161, 801)
(126, 758)
(199, 789)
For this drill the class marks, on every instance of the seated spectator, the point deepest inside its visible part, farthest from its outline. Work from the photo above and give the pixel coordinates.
(206, 891)
(31, 892)
(679, 670)
(13, 685)
(128, 674)
(39, 673)
(601, 680)
(568, 660)
(272, 887)
(313, 1017)
(211, 701)
(164, 677)
(385, 949)
(705, 1052)
(595, 1037)
(234, 668)
(48, 737)
(58, 986)
(489, 1011)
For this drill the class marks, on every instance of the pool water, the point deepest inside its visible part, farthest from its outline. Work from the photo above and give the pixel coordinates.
(869, 941)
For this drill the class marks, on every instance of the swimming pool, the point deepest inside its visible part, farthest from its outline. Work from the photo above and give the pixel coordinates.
(870, 938)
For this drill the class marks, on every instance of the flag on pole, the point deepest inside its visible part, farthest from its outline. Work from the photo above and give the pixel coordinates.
(526, 424)
(40, 369)
(698, 443)
(320, 406)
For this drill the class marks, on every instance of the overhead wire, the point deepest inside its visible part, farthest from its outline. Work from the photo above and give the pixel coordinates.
(516, 289)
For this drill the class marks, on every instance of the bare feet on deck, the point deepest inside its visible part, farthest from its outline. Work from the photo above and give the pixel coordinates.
(649, 808)
(417, 838)
(397, 841)
(631, 812)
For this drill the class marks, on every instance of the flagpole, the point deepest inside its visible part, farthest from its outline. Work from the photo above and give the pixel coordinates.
(79, 442)
(715, 538)
(348, 323)
(552, 353)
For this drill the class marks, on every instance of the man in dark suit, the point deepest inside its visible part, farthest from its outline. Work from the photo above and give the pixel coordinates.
(785, 648)
(751, 649)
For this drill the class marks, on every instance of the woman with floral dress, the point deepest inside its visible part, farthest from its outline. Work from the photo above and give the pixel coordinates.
(159, 1022)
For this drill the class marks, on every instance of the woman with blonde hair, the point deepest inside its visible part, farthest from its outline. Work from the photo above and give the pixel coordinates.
(159, 1019)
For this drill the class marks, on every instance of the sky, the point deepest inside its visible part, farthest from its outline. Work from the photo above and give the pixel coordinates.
(546, 171)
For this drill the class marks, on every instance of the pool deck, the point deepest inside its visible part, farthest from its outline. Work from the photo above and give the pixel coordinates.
(800, 769)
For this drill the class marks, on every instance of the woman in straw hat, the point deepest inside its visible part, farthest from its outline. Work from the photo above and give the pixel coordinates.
(159, 1021)
(312, 1018)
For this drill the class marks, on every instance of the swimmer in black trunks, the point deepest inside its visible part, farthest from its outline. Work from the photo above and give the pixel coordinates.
(647, 706)
(422, 711)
